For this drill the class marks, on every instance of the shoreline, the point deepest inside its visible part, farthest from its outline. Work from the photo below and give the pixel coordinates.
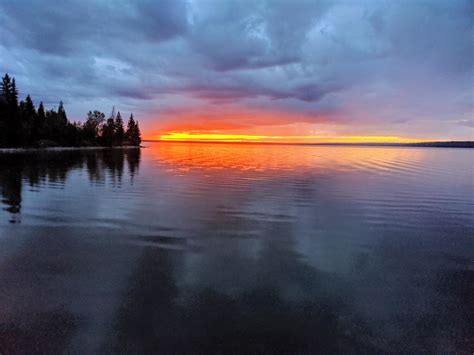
(447, 144)
(52, 149)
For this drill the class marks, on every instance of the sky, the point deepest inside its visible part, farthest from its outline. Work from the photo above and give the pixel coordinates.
(292, 70)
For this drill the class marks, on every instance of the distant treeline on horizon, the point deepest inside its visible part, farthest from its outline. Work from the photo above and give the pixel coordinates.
(22, 125)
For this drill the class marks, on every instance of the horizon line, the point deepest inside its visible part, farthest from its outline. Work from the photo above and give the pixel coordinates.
(441, 144)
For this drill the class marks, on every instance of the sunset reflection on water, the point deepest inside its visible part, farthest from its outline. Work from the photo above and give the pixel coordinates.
(265, 158)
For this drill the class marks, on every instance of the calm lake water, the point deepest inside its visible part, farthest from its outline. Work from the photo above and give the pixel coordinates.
(182, 247)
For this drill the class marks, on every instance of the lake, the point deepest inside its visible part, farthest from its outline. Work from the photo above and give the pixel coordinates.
(237, 248)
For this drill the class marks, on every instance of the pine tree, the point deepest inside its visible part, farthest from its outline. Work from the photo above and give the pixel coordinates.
(138, 135)
(3, 110)
(133, 134)
(27, 117)
(130, 134)
(3, 129)
(6, 88)
(29, 106)
(39, 122)
(130, 129)
(62, 112)
(29, 120)
(119, 130)
(112, 114)
(13, 94)
(41, 114)
(13, 127)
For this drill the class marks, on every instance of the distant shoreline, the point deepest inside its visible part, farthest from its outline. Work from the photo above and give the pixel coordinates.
(450, 144)
(447, 144)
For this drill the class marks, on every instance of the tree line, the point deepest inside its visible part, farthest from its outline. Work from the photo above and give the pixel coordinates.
(22, 125)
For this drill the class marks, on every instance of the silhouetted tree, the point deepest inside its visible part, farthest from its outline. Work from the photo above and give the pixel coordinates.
(3, 123)
(49, 128)
(130, 129)
(29, 106)
(108, 129)
(119, 130)
(138, 135)
(39, 122)
(41, 113)
(6, 89)
(133, 134)
(93, 125)
(13, 94)
(28, 119)
(62, 112)
(58, 129)
(15, 123)
(12, 125)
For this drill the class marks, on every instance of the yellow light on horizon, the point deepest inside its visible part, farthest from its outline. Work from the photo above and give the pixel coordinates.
(216, 137)
(219, 137)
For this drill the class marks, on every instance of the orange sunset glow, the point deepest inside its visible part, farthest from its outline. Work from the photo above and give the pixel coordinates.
(243, 138)
(181, 158)
(251, 126)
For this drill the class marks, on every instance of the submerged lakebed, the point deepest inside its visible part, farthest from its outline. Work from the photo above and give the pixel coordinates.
(188, 247)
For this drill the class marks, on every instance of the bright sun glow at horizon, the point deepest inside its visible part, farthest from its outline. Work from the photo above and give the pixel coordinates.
(243, 138)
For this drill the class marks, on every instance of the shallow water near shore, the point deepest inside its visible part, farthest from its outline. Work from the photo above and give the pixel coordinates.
(187, 247)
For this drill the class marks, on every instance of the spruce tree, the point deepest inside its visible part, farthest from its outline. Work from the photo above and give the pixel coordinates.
(13, 123)
(6, 88)
(4, 110)
(108, 129)
(133, 134)
(29, 106)
(138, 135)
(27, 117)
(41, 114)
(119, 130)
(13, 94)
(130, 129)
(62, 112)
(2, 122)
(29, 121)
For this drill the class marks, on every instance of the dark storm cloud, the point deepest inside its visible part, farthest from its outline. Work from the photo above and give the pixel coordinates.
(71, 26)
(253, 34)
(370, 62)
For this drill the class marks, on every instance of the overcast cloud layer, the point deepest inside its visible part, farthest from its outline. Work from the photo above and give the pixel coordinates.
(341, 67)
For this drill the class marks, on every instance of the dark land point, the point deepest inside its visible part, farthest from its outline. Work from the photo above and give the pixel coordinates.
(22, 125)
